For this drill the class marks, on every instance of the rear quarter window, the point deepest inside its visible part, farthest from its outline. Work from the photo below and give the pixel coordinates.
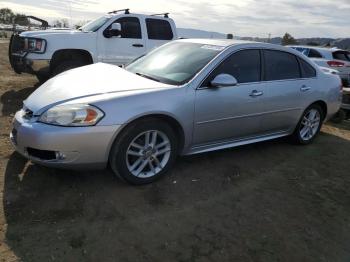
(307, 71)
(158, 29)
(314, 54)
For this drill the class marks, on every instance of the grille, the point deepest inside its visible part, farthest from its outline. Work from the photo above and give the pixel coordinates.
(17, 44)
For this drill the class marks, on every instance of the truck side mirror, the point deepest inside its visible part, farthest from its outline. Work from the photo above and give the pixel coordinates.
(114, 30)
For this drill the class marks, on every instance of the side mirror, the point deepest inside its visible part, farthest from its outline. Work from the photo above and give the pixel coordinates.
(114, 30)
(116, 27)
(224, 80)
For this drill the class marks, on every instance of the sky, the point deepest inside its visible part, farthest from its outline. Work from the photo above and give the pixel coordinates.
(300, 18)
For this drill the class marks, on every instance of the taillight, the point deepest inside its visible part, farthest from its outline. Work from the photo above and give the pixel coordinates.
(335, 64)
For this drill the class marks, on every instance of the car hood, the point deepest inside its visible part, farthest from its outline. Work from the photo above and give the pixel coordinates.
(43, 33)
(87, 81)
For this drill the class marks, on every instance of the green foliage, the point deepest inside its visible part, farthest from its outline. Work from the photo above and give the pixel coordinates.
(6, 16)
(62, 23)
(21, 19)
(289, 40)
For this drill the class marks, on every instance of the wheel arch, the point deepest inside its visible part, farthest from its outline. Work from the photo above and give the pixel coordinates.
(323, 105)
(70, 54)
(172, 121)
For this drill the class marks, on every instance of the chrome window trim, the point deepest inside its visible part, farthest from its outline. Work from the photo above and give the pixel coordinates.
(199, 87)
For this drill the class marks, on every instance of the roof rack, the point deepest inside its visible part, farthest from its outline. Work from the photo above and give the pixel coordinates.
(166, 15)
(126, 11)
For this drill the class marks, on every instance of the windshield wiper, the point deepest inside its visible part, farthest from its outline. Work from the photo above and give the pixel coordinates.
(148, 76)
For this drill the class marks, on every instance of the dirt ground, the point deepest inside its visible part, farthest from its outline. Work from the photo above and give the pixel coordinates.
(270, 201)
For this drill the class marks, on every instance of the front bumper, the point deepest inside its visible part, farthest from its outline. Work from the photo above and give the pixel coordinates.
(63, 147)
(22, 64)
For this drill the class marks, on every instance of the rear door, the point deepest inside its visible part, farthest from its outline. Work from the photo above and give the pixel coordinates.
(159, 32)
(127, 46)
(289, 83)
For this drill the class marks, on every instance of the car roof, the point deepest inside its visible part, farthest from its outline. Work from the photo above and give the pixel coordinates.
(230, 43)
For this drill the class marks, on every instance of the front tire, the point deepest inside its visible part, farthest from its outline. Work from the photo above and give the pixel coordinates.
(144, 151)
(309, 125)
(67, 65)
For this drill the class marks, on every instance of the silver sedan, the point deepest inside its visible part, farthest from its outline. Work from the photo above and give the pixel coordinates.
(186, 97)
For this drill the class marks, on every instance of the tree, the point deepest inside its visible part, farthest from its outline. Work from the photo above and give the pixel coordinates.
(289, 40)
(61, 23)
(6, 16)
(80, 23)
(21, 19)
(229, 36)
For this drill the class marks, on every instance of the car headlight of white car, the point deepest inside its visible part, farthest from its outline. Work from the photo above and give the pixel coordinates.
(72, 115)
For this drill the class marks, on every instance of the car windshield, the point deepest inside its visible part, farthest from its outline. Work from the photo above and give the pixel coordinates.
(175, 63)
(94, 25)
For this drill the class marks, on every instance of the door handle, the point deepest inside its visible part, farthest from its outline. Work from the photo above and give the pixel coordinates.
(137, 45)
(256, 93)
(305, 88)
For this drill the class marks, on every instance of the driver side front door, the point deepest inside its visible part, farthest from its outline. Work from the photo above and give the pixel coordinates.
(230, 113)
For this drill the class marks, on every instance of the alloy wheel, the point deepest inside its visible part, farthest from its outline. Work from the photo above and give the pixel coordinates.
(148, 153)
(310, 124)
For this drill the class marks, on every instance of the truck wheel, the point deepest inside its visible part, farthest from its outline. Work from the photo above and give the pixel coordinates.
(144, 151)
(67, 65)
(42, 77)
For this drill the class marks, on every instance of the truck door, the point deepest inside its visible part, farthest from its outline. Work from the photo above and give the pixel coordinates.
(122, 49)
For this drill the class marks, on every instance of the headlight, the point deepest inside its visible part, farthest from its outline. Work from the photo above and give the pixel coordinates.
(72, 115)
(35, 45)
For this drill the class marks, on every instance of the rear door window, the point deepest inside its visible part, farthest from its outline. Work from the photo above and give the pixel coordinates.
(280, 65)
(159, 29)
(342, 55)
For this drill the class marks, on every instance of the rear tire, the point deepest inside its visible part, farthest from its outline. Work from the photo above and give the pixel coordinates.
(67, 65)
(309, 125)
(144, 151)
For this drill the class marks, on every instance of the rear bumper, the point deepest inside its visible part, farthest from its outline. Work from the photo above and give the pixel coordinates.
(63, 147)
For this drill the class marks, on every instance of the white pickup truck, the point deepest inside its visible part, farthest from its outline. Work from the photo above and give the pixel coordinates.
(117, 38)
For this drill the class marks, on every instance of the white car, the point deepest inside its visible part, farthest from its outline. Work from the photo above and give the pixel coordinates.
(329, 57)
(117, 38)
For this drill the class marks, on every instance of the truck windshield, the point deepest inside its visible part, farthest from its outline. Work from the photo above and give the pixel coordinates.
(175, 63)
(94, 25)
